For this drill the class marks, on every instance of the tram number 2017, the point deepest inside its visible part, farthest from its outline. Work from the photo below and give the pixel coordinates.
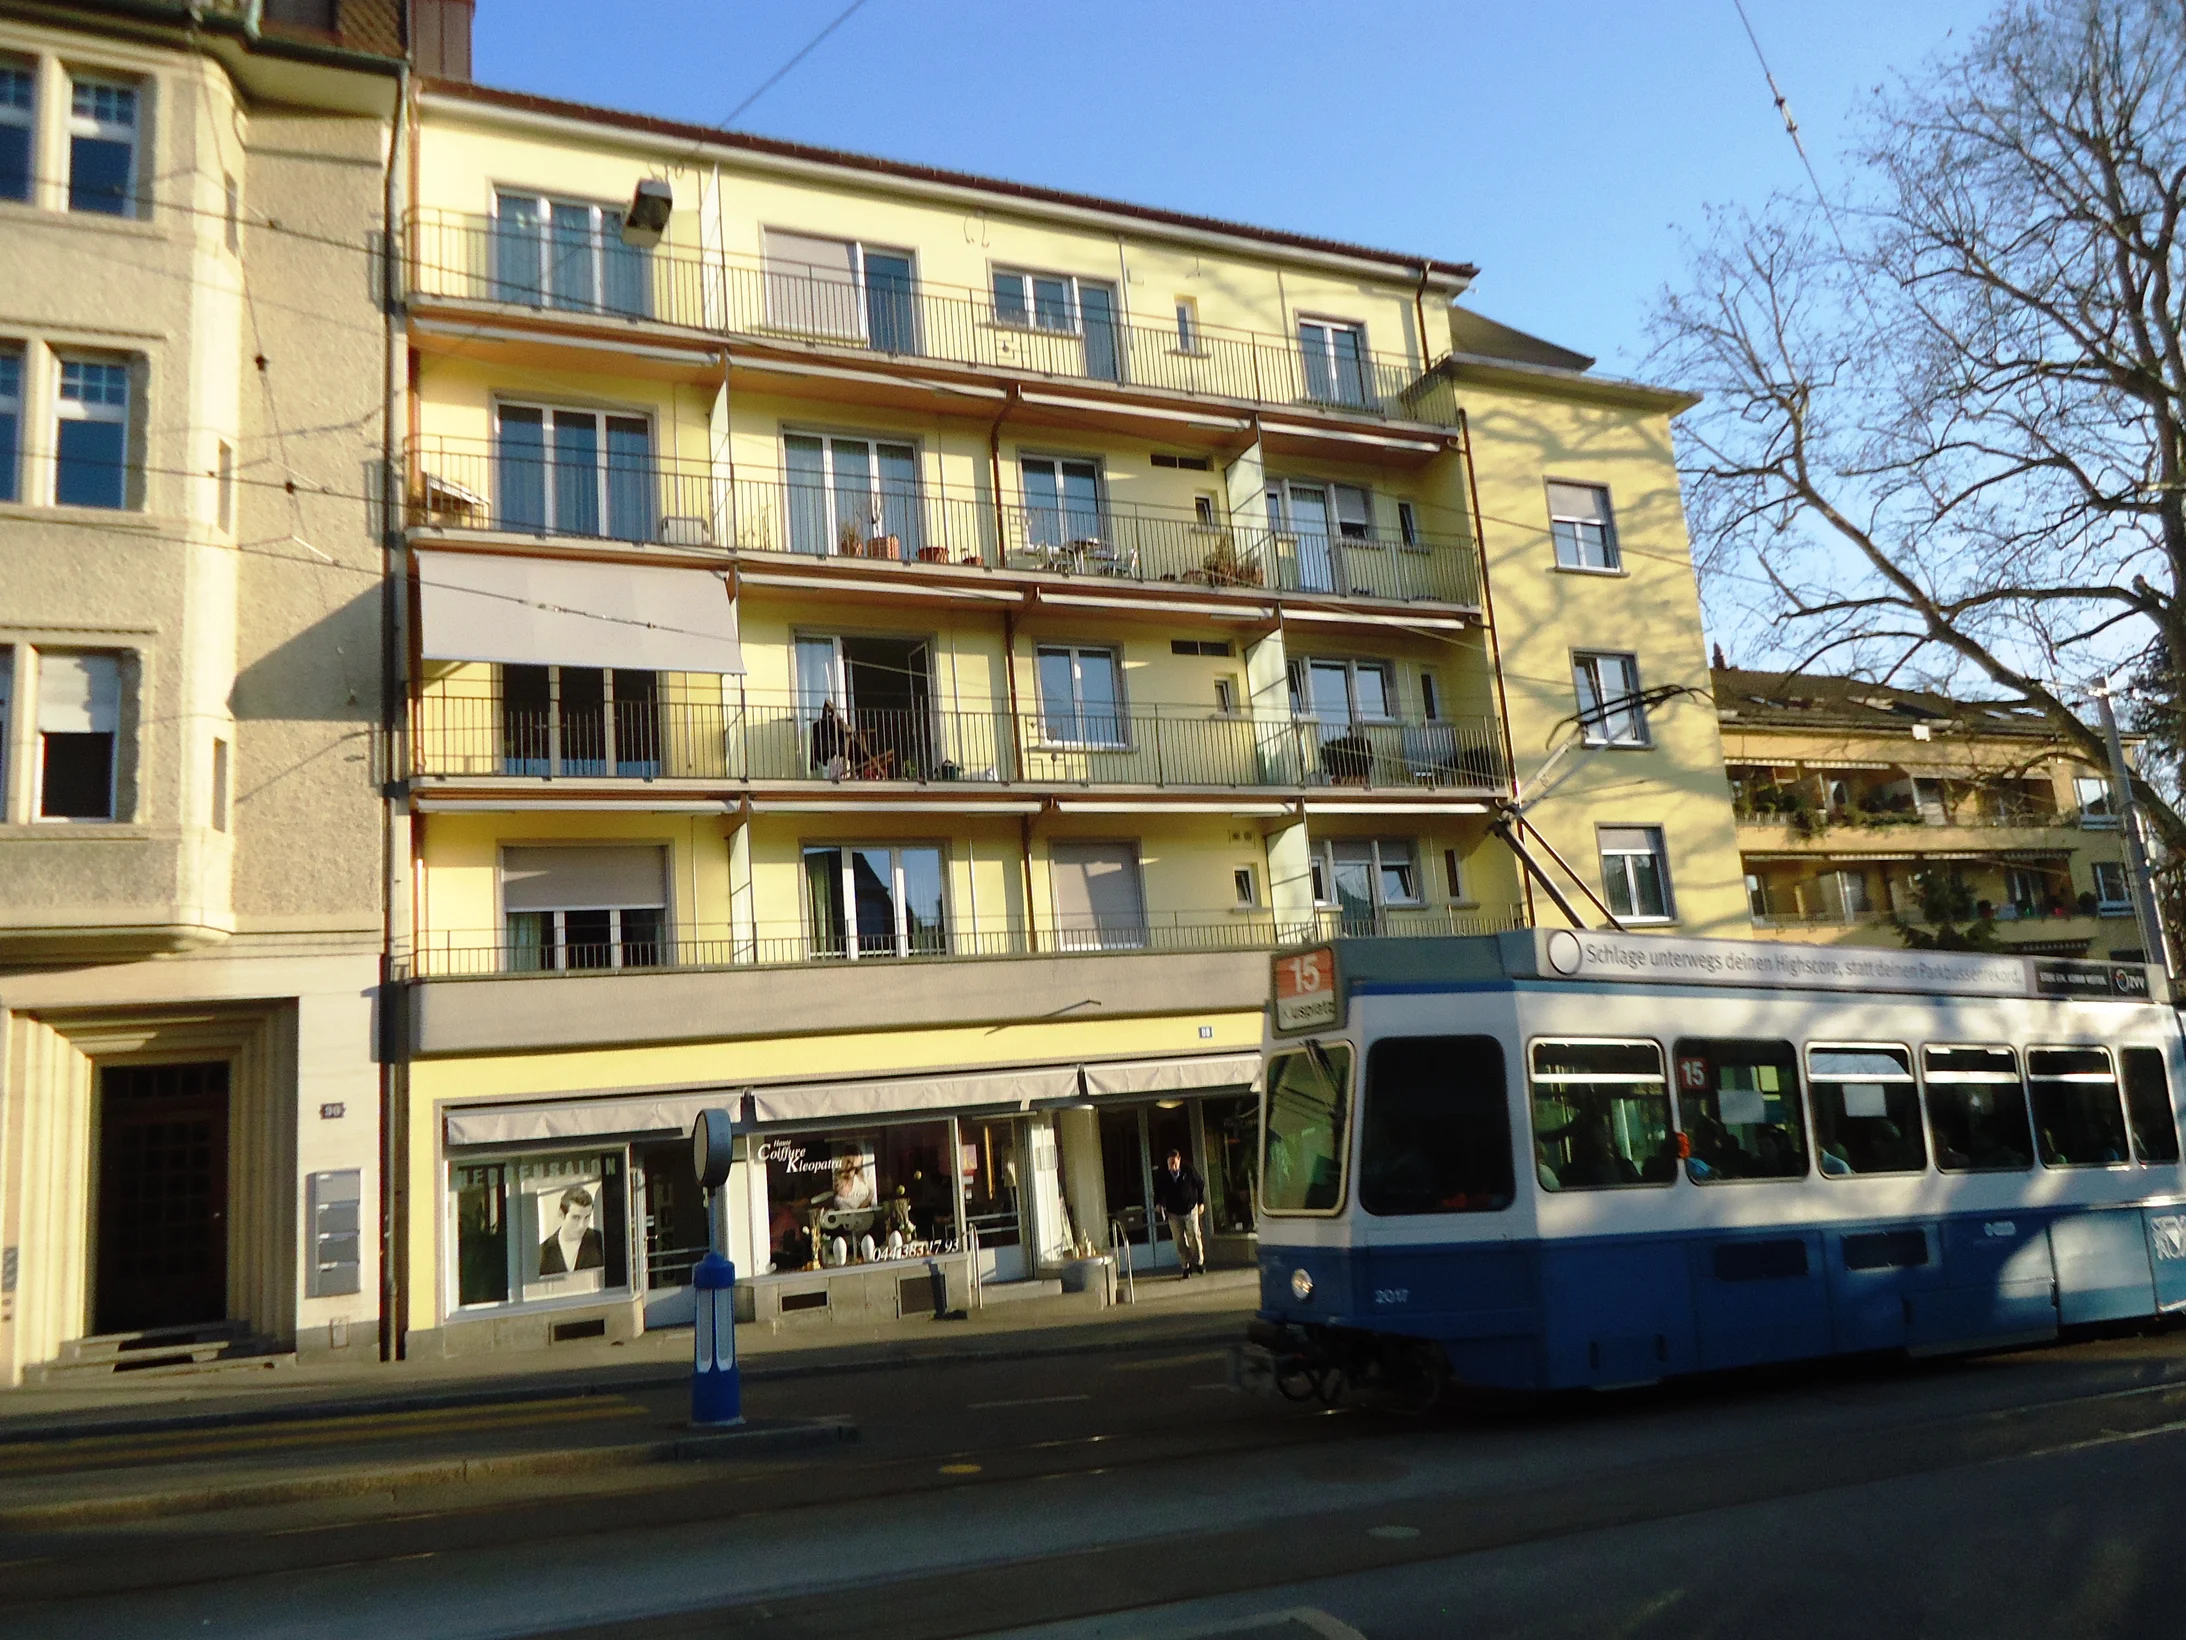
(1392, 1295)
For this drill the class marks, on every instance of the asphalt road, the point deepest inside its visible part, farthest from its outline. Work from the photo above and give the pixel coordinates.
(1129, 1493)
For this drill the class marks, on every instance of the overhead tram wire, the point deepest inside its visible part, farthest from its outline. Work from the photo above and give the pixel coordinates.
(1791, 129)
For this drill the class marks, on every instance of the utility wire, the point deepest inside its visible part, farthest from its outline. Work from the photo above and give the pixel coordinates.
(1791, 129)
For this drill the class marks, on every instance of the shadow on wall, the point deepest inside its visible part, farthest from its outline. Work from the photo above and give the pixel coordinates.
(326, 672)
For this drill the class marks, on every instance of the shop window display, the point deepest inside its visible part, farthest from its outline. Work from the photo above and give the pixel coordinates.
(541, 1227)
(858, 1198)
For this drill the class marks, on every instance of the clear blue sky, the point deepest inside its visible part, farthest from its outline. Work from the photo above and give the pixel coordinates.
(1557, 144)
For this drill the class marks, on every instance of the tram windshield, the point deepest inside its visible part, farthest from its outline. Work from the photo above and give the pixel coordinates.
(2148, 1103)
(1307, 1122)
(1739, 1105)
(2077, 1116)
(1434, 1127)
(1977, 1109)
(1866, 1114)
(1601, 1116)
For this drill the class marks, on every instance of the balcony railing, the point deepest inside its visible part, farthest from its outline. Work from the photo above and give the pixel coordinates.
(1813, 822)
(470, 258)
(471, 735)
(474, 953)
(465, 484)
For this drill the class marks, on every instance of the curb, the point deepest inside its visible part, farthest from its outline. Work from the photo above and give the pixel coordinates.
(771, 1435)
(754, 1371)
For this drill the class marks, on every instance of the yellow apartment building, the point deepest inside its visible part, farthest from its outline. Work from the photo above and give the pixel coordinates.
(1858, 803)
(891, 651)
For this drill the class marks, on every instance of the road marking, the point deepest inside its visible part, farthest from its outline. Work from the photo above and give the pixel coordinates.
(1029, 1401)
(1394, 1534)
(960, 1469)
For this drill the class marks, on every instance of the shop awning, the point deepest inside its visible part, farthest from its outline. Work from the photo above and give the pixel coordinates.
(576, 612)
(825, 1101)
(1223, 1070)
(582, 1118)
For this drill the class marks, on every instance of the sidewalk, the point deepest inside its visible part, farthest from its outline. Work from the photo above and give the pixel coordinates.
(1211, 1308)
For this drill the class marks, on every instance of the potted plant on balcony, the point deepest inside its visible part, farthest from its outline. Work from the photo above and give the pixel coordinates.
(1225, 566)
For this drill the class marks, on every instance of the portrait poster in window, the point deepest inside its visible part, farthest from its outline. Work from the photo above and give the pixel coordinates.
(570, 1254)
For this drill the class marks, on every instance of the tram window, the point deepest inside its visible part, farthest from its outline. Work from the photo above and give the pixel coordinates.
(1738, 1102)
(1601, 1115)
(1434, 1127)
(1307, 1124)
(1978, 1110)
(2077, 1118)
(2148, 1103)
(1866, 1114)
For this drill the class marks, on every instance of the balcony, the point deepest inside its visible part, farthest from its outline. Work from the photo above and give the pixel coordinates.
(465, 484)
(459, 736)
(475, 261)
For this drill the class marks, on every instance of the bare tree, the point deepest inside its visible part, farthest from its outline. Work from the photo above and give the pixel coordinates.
(1945, 427)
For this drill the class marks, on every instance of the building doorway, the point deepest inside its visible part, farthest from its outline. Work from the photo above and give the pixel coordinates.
(1135, 1139)
(162, 1197)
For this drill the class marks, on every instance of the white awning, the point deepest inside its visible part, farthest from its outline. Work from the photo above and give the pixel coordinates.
(576, 612)
(1222, 1070)
(826, 1101)
(581, 1118)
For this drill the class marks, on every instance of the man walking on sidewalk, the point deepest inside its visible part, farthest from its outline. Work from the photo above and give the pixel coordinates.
(1181, 1195)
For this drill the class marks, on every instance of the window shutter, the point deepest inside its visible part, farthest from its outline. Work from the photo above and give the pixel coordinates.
(579, 878)
(1580, 501)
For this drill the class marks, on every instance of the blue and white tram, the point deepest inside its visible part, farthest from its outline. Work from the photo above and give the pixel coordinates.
(1552, 1159)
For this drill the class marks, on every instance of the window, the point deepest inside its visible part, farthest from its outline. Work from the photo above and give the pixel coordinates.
(1203, 515)
(92, 436)
(580, 720)
(1063, 305)
(1364, 877)
(1407, 524)
(232, 215)
(224, 486)
(2113, 894)
(1320, 522)
(854, 497)
(870, 901)
(583, 907)
(1866, 1113)
(102, 147)
(1098, 904)
(1434, 1127)
(865, 707)
(1610, 712)
(1243, 885)
(2148, 1104)
(7, 721)
(1334, 354)
(1187, 324)
(1739, 1104)
(875, 1195)
(1081, 697)
(1308, 1122)
(1453, 875)
(79, 721)
(219, 804)
(1218, 648)
(560, 253)
(2092, 793)
(540, 1227)
(575, 472)
(1845, 894)
(1225, 696)
(843, 290)
(1601, 1116)
(1062, 501)
(1430, 698)
(1977, 1109)
(16, 124)
(2078, 1121)
(1177, 463)
(1578, 519)
(1635, 872)
(11, 423)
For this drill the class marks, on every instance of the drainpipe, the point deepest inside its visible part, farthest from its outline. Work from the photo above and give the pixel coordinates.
(1419, 310)
(1494, 633)
(994, 465)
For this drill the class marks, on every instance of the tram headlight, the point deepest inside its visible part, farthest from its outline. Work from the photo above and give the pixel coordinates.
(1301, 1286)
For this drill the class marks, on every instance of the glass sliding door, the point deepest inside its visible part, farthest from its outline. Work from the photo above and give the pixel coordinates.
(567, 254)
(1062, 501)
(575, 472)
(1301, 512)
(891, 308)
(874, 900)
(853, 497)
(1097, 309)
(1335, 363)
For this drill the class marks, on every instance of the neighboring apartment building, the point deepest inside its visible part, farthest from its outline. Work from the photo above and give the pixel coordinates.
(1859, 803)
(891, 651)
(193, 359)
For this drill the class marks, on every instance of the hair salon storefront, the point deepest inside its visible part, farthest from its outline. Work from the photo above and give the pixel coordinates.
(865, 1201)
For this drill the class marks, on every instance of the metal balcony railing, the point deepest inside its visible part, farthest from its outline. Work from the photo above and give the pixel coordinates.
(584, 491)
(458, 734)
(1813, 821)
(469, 258)
(473, 953)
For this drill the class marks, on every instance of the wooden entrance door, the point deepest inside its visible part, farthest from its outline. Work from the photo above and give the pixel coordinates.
(162, 1197)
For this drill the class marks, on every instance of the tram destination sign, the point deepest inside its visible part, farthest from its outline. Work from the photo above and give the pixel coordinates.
(1305, 990)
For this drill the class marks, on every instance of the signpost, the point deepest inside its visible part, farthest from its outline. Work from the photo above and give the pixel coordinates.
(717, 1388)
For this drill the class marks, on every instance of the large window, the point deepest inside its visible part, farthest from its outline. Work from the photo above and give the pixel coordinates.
(875, 900)
(540, 1227)
(79, 721)
(1365, 877)
(1610, 713)
(1062, 304)
(1307, 1127)
(842, 290)
(2078, 1120)
(2148, 1104)
(2092, 793)
(1601, 1116)
(1579, 522)
(1099, 904)
(1334, 354)
(583, 907)
(102, 147)
(561, 253)
(1977, 1110)
(1081, 697)
(17, 122)
(576, 472)
(1319, 520)
(1866, 1112)
(858, 1197)
(11, 422)
(1740, 1104)
(1062, 501)
(580, 720)
(853, 496)
(1635, 872)
(91, 434)
(1434, 1127)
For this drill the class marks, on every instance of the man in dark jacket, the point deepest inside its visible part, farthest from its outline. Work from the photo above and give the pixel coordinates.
(1181, 1195)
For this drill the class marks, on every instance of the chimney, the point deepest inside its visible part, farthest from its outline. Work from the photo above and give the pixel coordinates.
(440, 38)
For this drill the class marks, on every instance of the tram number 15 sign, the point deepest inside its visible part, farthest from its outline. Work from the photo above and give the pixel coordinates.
(1305, 990)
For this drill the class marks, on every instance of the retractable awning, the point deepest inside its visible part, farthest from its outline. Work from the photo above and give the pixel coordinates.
(1226, 1070)
(576, 612)
(581, 1118)
(826, 1101)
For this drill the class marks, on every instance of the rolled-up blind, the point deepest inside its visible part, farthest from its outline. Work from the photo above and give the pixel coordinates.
(582, 878)
(1580, 501)
(78, 694)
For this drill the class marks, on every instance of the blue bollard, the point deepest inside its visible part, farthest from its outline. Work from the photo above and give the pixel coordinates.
(717, 1387)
